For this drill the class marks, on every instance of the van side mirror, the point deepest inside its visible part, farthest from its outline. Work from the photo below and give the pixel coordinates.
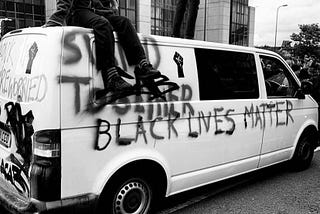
(299, 94)
(306, 86)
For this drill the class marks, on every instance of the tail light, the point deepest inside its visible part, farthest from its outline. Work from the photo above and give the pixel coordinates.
(45, 174)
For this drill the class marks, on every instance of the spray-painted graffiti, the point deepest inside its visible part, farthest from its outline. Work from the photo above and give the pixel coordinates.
(73, 55)
(72, 50)
(218, 121)
(106, 125)
(20, 128)
(6, 58)
(77, 82)
(27, 88)
(11, 170)
(32, 55)
(179, 61)
(260, 114)
(157, 108)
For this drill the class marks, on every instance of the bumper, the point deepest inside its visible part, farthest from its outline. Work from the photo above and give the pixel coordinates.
(16, 203)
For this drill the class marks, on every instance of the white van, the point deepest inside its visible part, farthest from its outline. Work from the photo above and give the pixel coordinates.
(235, 110)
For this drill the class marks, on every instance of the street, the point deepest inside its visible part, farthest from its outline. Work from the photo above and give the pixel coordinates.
(271, 190)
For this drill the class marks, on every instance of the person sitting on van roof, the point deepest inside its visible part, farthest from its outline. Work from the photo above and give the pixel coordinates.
(81, 13)
(127, 35)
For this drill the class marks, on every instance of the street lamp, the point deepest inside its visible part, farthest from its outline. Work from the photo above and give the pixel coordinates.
(275, 37)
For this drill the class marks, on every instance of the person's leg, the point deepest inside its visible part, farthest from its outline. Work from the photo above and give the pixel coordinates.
(178, 17)
(192, 18)
(131, 45)
(104, 40)
(128, 38)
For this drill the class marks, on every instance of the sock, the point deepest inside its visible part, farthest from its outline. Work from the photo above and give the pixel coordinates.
(111, 73)
(143, 62)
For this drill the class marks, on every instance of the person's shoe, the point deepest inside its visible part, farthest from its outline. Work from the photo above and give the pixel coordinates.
(147, 72)
(118, 85)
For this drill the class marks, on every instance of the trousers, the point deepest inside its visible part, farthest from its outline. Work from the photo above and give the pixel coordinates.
(103, 28)
(193, 6)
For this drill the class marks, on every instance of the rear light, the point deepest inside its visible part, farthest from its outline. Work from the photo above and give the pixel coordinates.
(44, 146)
(45, 174)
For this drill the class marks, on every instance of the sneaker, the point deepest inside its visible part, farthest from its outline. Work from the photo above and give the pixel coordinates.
(147, 72)
(117, 84)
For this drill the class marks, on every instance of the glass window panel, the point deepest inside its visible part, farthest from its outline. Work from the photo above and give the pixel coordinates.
(226, 75)
(278, 81)
(10, 6)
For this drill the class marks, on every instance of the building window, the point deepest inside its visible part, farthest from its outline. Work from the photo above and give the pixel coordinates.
(24, 13)
(128, 8)
(162, 15)
(239, 24)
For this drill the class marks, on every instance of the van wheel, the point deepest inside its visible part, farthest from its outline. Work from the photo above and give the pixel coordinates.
(132, 195)
(303, 154)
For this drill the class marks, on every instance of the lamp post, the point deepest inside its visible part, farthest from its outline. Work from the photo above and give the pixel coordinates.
(275, 36)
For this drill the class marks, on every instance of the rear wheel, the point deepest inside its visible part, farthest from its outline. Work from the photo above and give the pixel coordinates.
(304, 153)
(127, 195)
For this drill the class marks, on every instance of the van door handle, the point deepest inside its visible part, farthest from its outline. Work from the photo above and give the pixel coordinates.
(271, 105)
(194, 134)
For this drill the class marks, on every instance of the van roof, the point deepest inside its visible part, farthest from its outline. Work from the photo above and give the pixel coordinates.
(164, 40)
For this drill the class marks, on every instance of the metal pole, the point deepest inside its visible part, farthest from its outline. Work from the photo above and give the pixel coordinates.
(275, 36)
(205, 21)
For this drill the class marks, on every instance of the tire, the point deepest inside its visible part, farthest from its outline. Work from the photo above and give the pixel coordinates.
(127, 195)
(303, 154)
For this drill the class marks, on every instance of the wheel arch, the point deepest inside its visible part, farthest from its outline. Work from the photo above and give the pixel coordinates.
(310, 128)
(145, 167)
(152, 164)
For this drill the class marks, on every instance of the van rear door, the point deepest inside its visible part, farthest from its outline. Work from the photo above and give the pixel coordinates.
(29, 99)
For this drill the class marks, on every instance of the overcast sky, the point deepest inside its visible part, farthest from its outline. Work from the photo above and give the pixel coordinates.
(297, 12)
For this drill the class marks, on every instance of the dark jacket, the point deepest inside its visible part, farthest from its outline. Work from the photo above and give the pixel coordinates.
(106, 3)
(101, 4)
(64, 7)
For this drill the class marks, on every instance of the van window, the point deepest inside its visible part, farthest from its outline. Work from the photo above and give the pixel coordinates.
(278, 81)
(226, 75)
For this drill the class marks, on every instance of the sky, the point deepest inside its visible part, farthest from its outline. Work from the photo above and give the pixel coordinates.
(297, 12)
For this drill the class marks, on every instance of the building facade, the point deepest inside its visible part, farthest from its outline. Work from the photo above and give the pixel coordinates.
(23, 13)
(223, 21)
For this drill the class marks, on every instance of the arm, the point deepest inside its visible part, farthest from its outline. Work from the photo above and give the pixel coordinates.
(59, 16)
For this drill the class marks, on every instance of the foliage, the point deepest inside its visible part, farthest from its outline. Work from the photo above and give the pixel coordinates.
(307, 41)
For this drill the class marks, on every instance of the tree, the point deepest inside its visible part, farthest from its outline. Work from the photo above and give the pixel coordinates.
(307, 41)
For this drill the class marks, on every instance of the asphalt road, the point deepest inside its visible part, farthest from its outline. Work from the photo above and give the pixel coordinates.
(273, 190)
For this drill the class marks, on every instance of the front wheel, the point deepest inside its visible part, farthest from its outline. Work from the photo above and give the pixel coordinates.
(303, 154)
(127, 196)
